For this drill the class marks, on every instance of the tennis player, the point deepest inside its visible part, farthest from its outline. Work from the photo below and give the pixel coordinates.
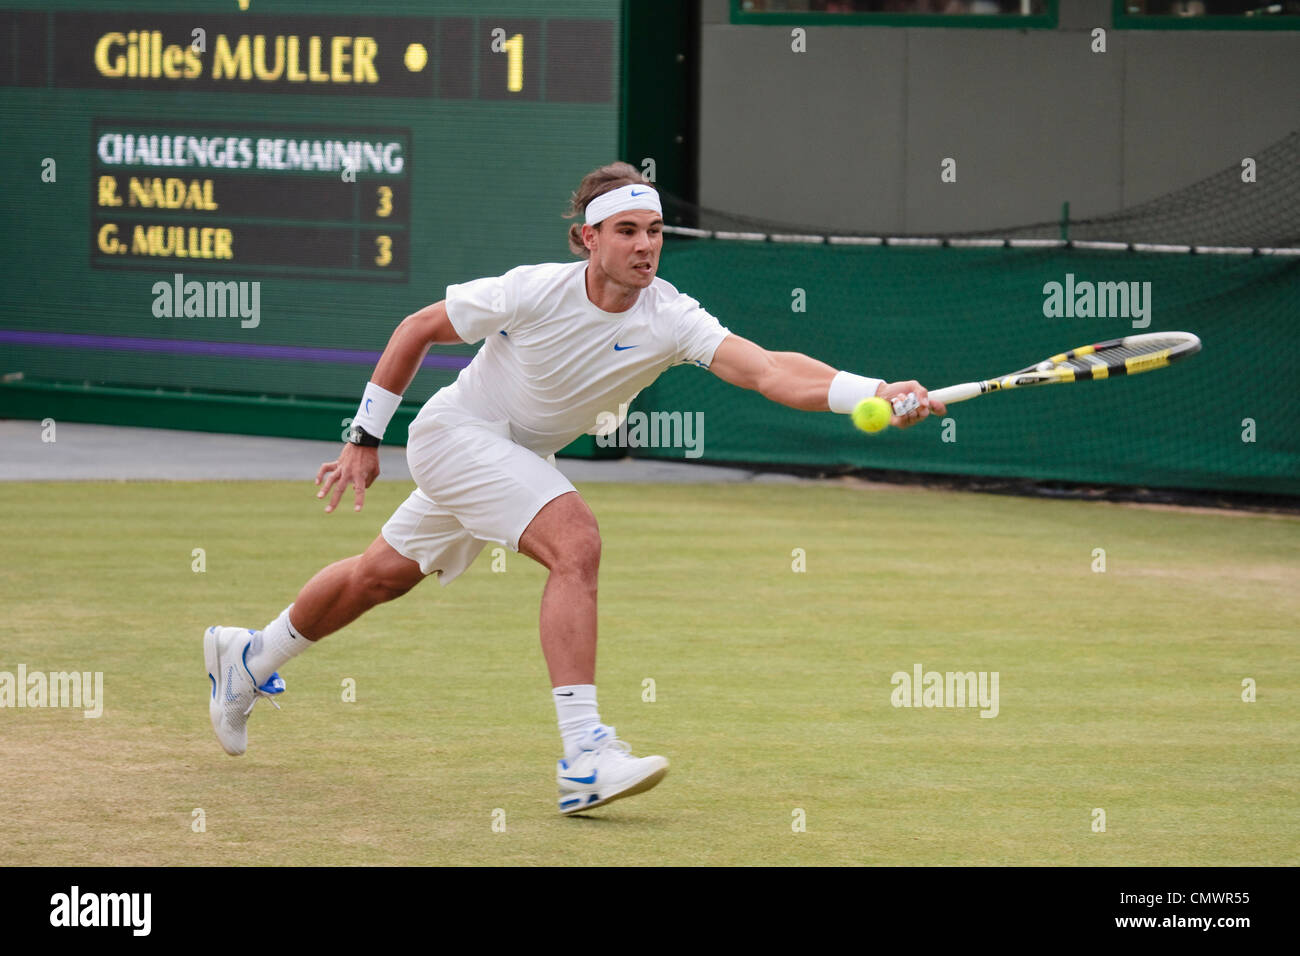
(563, 343)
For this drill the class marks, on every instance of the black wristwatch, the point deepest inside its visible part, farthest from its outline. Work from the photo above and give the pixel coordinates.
(359, 436)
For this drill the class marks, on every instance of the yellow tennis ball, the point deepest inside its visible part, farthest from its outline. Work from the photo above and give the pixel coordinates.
(872, 414)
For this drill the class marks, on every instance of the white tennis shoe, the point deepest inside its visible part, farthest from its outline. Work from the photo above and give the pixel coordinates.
(233, 689)
(605, 770)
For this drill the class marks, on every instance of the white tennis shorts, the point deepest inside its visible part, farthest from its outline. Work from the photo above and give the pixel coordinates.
(475, 485)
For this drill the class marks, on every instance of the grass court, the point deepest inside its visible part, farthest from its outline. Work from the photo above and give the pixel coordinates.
(1120, 690)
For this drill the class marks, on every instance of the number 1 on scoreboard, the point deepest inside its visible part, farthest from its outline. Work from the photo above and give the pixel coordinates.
(514, 48)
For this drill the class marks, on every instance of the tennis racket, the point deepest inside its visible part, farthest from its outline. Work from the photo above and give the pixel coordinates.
(1130, 355)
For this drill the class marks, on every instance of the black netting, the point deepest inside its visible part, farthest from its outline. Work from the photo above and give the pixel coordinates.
(1220, 210)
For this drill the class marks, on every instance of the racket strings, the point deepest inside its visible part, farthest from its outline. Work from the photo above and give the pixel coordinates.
(1118, 354)
(1107, 359)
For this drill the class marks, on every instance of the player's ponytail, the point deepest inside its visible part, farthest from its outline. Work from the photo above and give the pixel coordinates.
(593, 184)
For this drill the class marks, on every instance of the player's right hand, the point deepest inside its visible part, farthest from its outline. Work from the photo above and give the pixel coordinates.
(892, 390)
(357, 466)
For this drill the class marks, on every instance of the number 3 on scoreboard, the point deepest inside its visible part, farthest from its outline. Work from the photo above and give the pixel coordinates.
(385, 201)
(385, 246)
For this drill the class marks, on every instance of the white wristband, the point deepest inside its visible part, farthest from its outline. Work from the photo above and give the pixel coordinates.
(376, 411)
(848, 389)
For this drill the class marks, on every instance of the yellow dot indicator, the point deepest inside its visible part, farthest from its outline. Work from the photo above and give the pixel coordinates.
(417, 57)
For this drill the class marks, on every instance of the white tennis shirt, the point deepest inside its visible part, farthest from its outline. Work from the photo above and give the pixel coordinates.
(552, 361)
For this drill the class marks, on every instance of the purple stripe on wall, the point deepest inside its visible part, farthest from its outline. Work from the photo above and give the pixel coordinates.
(291, 353)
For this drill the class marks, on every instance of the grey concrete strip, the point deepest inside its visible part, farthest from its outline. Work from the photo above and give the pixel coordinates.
(579, 470)
(115, 453)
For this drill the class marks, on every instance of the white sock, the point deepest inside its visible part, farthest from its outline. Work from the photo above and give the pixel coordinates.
(575, 708)
(277, 643)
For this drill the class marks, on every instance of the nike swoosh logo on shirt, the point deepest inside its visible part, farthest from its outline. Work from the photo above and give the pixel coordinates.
(623, 348)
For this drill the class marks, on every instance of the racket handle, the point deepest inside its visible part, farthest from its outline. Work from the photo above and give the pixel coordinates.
(957, 393)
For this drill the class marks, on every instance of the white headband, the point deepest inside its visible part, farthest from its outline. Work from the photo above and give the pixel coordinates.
(631, 196)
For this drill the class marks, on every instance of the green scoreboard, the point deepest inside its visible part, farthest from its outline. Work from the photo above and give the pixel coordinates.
(244, 197)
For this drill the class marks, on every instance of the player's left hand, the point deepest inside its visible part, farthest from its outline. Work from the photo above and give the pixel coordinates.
(356, 466)
(892, 390)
